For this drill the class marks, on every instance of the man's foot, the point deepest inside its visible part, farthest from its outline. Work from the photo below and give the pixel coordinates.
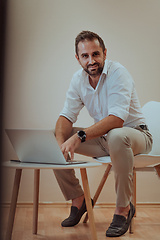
(75, 215)
(120, 223)
(122, 211)
(77, 202)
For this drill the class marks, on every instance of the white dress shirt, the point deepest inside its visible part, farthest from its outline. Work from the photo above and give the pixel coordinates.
(115, 94)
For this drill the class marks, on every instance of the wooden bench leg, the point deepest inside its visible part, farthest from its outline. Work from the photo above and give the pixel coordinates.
(15, 191)
(157, 168)
(134, 191)
(131, 228)
(99, 189)
(88, 203)
(36, 200)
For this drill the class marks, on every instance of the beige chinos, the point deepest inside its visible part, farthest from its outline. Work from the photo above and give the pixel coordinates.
(121, 144)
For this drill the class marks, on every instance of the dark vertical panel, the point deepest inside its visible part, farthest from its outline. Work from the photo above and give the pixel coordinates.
(3, 10)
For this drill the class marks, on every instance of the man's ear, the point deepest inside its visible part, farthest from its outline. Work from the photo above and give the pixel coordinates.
(105, 53)
(77, 57)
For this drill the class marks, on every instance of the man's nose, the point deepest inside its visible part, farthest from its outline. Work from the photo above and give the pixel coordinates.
(91, 60)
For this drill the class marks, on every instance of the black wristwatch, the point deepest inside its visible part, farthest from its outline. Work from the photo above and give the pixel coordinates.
(82, 135)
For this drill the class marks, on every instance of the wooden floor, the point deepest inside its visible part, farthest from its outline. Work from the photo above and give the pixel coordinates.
(146, 224)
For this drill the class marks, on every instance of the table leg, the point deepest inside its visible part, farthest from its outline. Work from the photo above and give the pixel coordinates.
(15, 191)
(36, 200)
(99, 189)
(88, 203)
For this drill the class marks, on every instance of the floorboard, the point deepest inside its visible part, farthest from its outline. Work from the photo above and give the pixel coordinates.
(146, 224)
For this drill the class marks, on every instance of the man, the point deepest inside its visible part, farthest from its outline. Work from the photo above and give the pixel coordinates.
(108, 92)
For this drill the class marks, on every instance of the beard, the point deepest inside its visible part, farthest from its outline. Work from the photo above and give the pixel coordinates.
(94, 72)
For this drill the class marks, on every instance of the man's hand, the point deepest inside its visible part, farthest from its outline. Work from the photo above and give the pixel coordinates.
(64, 128)
(70, 145)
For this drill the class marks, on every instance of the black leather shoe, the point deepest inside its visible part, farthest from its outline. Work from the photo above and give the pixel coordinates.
(120, 224)
(75, 215)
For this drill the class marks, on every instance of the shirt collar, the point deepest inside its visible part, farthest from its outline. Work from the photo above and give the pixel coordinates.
(106, 65)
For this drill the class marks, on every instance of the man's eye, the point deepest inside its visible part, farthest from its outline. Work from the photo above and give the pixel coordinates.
(85, 56)
(96, 54)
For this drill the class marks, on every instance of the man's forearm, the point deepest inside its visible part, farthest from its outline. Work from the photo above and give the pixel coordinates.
(102, 127)
(63, 129)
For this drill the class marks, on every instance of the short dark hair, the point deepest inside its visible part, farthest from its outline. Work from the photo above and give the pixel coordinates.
(88, 35)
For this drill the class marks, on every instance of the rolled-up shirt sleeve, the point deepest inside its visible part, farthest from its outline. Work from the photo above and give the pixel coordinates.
(119, 93)
(73, 103)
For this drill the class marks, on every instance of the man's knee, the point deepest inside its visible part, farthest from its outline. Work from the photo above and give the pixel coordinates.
(118, 139)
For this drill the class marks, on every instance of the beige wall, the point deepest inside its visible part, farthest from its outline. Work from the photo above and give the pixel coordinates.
(40, 62)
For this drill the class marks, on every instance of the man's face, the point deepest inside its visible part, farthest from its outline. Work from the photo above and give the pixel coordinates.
(91, 57)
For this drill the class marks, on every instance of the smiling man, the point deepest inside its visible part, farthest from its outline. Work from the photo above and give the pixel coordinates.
(108, 92)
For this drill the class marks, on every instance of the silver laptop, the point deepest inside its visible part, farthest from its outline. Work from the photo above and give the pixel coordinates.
(36, 146)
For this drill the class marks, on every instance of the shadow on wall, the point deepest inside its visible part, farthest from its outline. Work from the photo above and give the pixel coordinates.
(3, 7)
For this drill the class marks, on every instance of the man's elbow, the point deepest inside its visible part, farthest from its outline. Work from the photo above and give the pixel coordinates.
(118, 122)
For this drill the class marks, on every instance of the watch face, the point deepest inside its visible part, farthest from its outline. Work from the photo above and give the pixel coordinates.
(81, 133)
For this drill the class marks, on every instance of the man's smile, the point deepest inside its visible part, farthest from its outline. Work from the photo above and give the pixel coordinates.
(93, 67)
